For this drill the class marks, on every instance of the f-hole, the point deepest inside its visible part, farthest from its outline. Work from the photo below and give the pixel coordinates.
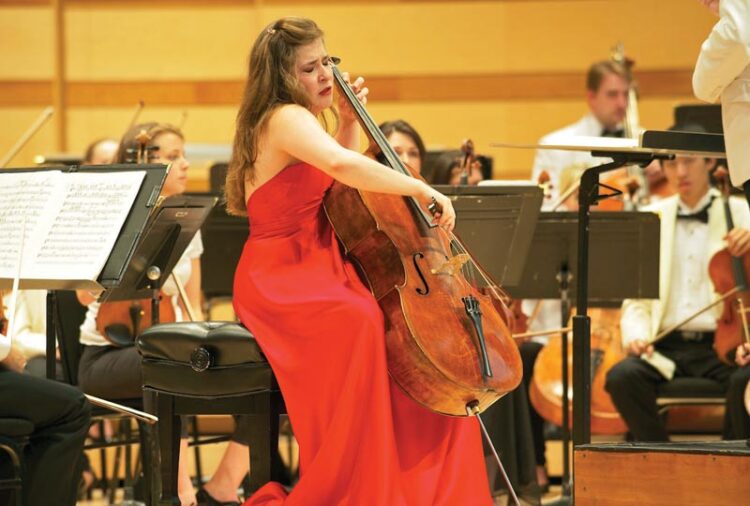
(426, 289)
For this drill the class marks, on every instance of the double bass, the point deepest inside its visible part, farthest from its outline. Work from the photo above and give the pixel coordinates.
(447, 346)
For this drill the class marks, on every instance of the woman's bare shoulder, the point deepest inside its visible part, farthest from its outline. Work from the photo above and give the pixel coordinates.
(287, 113)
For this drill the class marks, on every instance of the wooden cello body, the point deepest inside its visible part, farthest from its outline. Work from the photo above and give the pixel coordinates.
(447, 346)
(545, 390)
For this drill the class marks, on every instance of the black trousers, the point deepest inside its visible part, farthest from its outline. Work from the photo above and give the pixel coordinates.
(529, 351)
(633, 383)
(737, 421)
(60, 414)
(115, 373)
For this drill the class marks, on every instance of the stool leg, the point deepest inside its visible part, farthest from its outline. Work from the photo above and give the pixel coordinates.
(169, 447)
(264, 440)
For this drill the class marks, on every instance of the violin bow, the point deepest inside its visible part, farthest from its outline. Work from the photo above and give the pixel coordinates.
(21, 142)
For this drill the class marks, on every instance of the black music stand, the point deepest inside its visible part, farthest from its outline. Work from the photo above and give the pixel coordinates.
(496, 223)
(224, 236)
(123, 249)
(628, 240)
(168, 233)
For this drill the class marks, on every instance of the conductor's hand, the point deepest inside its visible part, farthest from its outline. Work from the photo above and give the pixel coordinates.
(639, 347)
(738, 241)
(742, 356)
(445, 216)
(346, 113)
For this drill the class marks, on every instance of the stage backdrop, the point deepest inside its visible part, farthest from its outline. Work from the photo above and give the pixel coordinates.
(507, 70)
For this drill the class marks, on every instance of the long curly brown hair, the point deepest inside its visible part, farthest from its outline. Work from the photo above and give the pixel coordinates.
(271, 82)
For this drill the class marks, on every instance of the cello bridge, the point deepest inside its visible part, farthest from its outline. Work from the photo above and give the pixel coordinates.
(452, 265)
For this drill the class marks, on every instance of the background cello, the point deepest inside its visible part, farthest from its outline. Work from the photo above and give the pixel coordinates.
(545, 390)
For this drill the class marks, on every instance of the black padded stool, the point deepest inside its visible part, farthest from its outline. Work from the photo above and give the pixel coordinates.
(209, 368)
(14, 436)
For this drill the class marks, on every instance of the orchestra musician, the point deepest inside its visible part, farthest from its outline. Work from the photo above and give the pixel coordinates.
(100, 152)
(693, 228)
(60, 415)
(607, 89)
(362, 439)
(722, 72)
(30, 322)
(406, 142)
(113, 372)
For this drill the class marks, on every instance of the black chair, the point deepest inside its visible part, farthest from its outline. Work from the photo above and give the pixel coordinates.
(14, 436)
(69, 316)
(681, 392)
(192, 368)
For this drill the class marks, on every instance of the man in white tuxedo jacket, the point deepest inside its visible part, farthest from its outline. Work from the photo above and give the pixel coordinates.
(723, 72)
(607, 88)
(693, 228)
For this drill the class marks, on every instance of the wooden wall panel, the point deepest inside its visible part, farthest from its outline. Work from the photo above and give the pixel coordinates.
(16, 120)
(26, 43)
(502, 70)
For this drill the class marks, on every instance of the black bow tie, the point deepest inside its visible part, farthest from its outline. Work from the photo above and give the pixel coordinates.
(613, 133)
(701, 215)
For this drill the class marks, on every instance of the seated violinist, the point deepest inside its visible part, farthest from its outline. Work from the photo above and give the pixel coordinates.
(449, 169)
(693, 229)
(111, 370)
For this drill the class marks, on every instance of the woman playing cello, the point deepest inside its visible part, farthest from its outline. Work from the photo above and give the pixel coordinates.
(362, 440)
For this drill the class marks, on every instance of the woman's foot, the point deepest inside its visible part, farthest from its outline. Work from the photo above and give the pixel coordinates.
(542, 479)
(206, 499)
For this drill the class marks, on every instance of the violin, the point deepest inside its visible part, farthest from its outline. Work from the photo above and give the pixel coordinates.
(447, 346)
(729, 273)
(470, 170)
(121, 322)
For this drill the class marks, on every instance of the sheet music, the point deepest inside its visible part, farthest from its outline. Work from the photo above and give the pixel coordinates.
(72, 221)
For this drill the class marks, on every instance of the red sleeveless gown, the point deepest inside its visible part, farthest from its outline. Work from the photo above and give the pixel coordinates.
(362, 441)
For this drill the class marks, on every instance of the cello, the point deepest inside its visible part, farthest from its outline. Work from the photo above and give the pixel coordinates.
(447, 346)
(545, 390)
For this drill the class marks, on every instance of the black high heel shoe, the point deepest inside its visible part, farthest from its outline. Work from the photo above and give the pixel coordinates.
(206, 499)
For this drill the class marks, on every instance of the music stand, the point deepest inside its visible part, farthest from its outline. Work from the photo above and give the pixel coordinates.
(497, 223)
(168, 233)
(629, 240)
(224, 236)
(123, 248)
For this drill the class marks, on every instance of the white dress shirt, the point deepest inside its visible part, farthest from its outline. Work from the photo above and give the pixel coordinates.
(691, 286)
(30, 322)
(555, 161)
